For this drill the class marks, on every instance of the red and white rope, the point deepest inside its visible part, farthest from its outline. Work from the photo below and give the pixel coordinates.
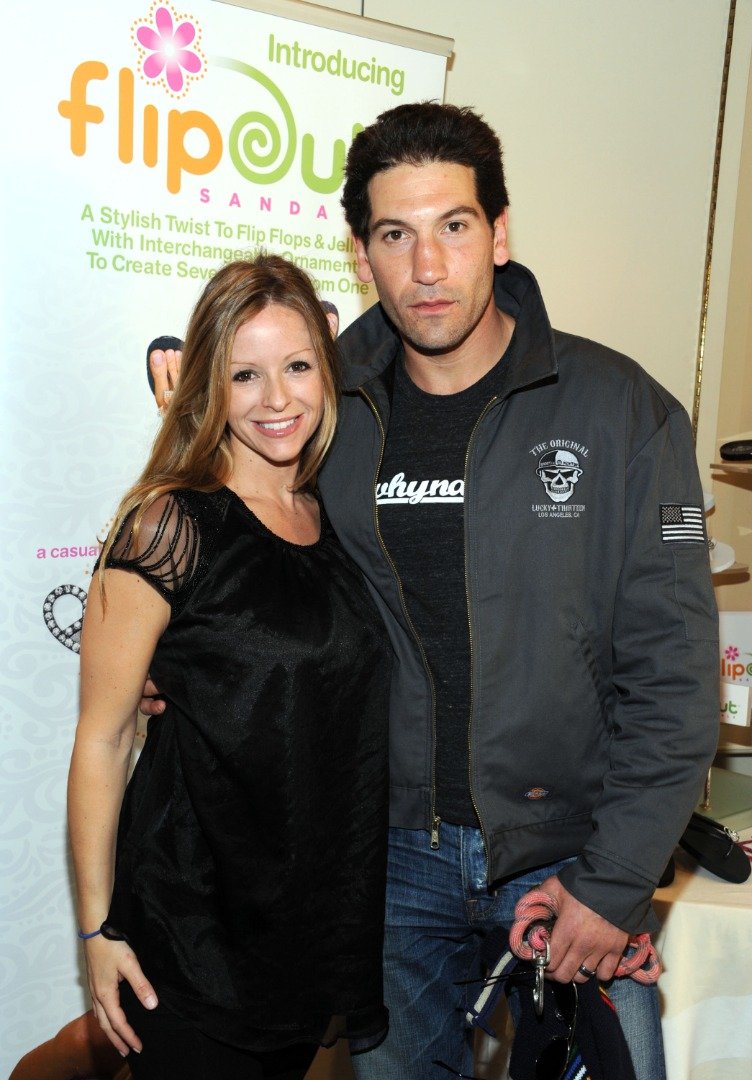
(535, 915)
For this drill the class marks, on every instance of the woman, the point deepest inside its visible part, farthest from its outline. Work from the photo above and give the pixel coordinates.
(235, 925)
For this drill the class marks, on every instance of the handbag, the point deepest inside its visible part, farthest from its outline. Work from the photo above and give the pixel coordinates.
(716, 848)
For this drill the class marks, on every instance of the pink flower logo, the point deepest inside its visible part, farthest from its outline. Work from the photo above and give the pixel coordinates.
(731, 653)
(164, 51)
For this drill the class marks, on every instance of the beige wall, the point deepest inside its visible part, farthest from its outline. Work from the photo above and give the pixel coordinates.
(606, 150)
(607, 112)
(732, 518)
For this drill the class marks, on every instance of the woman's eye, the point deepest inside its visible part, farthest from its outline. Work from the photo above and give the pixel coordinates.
(300, 365)
(243, 376)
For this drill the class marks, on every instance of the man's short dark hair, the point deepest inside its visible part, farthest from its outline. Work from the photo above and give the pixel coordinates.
(416, 134)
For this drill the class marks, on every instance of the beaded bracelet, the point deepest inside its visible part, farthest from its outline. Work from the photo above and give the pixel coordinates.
(85, 937)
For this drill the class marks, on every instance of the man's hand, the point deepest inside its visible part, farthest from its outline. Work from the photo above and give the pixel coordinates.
(164, 365)
(581, 937)
(150, 705)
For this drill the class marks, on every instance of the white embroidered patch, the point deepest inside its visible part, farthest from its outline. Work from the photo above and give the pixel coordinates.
(682, 524)
(560, 466)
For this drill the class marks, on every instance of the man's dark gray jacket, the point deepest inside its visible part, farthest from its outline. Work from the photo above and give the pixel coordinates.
(594, 711)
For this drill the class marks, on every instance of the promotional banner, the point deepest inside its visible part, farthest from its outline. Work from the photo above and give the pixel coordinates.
(144, 146)
(736, 674)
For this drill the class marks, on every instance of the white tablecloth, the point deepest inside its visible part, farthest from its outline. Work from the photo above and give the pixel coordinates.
(706, 987)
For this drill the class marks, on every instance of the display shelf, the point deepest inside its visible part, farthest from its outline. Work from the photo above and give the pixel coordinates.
(733, 750)
(738, 473)
(733, 466)
(732, 571)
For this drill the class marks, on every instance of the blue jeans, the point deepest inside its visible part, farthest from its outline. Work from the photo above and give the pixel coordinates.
(438, 909)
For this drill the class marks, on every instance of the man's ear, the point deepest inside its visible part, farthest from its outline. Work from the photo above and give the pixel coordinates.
(333, 319)
(363, 266)
(500, 242)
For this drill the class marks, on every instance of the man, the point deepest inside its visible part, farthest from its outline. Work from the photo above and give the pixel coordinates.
(526, 509)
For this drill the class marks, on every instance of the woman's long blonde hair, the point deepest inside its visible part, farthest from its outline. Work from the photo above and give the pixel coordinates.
(192, 448)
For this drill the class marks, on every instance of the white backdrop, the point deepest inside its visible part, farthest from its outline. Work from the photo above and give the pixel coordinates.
(128, 178)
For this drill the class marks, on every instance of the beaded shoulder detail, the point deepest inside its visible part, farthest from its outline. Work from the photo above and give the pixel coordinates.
(166, 549)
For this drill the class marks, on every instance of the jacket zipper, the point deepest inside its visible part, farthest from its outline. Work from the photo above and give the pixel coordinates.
(470, 639)
(435, 820)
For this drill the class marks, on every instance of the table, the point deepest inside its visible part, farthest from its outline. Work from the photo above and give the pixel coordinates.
(706, 987)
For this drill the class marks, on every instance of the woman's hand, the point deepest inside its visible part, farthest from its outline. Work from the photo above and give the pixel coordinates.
(108, 963)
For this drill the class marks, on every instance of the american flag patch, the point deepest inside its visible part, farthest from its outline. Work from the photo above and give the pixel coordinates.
(682, 524)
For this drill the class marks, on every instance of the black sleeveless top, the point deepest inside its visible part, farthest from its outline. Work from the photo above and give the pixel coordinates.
(252, 840)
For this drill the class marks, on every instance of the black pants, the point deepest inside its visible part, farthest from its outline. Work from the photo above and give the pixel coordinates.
(173, 1049)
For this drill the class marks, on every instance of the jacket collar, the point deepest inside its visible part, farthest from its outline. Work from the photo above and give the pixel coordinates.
(369, 346)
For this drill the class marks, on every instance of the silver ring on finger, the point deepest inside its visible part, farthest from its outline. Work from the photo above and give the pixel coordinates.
(586, 972)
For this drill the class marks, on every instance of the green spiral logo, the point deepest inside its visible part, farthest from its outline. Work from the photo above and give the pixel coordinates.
(259, 151)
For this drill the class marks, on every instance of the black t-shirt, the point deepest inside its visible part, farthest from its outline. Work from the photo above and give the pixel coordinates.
(420, 499)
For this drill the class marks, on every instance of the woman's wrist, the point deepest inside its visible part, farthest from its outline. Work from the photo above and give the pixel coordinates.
(85, 935)
(91, 917)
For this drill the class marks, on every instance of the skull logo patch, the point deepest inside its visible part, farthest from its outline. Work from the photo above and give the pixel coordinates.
(559, 471)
